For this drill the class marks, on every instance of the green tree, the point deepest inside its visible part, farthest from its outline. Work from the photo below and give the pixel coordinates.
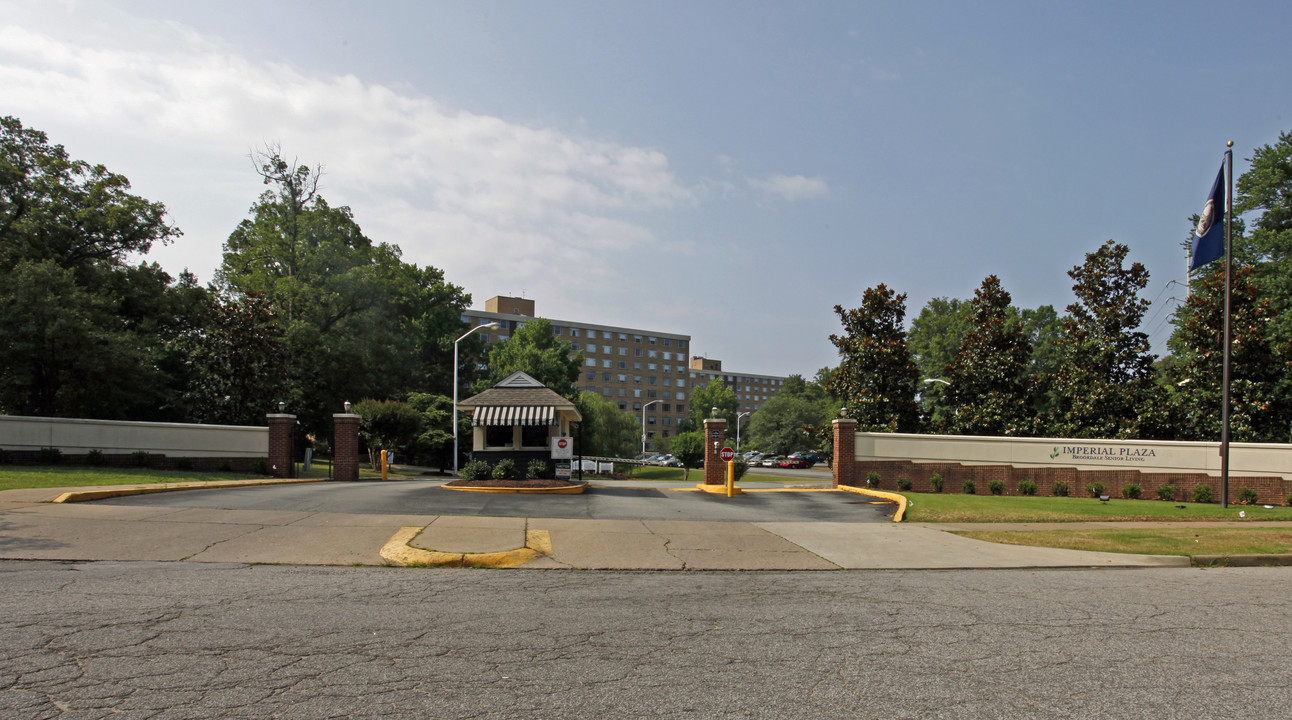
(234, 362)
(606, 431)
(715, 394)
(782, 424)
(991, 388)
(688, 448)
(1265, 190)
(877, 378)
(357, 320)
(434, 444)
(936, 334)
(536, 351)
(1260, 410)
(1105, 386)
(387, 425)
(83, 332)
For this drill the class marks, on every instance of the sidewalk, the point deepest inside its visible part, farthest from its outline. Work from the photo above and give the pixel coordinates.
(33, 527)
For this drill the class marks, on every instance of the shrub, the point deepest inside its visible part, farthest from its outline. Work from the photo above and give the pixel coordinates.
(1060, 489)
(505, 469)
(967, 487)
(260, 466)
(997, 487)
(94, 457)
(184, 463)
(1246, 496)
(1289, 499)
(903, 484)
(872, 479)
(475, 470)
(139, 458)
(1026, 487)
(49, 456)
(1166, 492)
(1095, 489)
(1202, 493)
(537, 469)
(936, 481)
(5, 458)
(225, 466)
(740, 468)
(1132, 491)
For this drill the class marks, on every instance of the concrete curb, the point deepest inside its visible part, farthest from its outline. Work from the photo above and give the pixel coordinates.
(538, 543)
(1241, 560)
(576, 490)
(893, 497)
(124, 490)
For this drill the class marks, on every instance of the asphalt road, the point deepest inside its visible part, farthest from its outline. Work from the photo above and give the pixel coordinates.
(418, 497)
(180, 640)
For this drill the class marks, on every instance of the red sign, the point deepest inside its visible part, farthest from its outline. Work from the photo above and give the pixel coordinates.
(562, 443)
(727, 454)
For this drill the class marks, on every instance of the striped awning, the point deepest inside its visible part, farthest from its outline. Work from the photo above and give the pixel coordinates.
(514, 415)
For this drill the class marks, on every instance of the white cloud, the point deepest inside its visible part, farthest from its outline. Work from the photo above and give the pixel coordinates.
(791, 188)
(466, 192)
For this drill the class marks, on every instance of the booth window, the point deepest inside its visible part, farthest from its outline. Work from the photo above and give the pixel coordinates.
(498, 436)
(533, 436)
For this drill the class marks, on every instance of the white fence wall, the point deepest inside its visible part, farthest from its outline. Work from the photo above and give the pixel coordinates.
(1142, 455)
(113, 437)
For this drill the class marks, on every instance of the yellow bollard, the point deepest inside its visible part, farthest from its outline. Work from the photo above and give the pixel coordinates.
(383, 466)
(731, 478)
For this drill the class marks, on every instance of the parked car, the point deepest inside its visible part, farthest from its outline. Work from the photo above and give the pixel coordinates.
(771, 461)
(795, 462)
(753, 458)
(803, 457)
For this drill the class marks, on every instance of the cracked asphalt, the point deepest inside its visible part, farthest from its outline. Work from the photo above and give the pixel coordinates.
(187, 640)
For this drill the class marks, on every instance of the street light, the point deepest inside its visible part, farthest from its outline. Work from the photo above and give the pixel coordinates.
(455, 389)
(652, 402)
(936, 380)
(738, 429)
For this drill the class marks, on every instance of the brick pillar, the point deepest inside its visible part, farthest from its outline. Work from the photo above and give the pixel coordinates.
(282, 428)
(345, 447)
(715, 434)
(845, 452)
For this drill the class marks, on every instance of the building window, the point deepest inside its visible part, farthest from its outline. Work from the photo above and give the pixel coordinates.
(556, 329)
(575, 347)
(591, 362)
(591, 376)
(605, 362)
(605, 377)
(623, 351)
(637, 393)
(623, 406)
(667, 342)
(668, 421)
(605, 391)
(498, 436)
(681, 409)
(652, 353)
(637, 379)
(681, 343)
(668, 382)
(574, 332)
(650, 393)
(484, 337)
(650, 380)
(623, 337)
(623, 378)
(650, 420)
(623, 364)
(650, 366)
(637, 339)
(623, 392)
(637, 406)
(668, 355)
(652, 340)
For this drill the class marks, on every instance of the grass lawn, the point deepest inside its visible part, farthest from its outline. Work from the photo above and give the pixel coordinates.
(13, 477)
(938, 507)
(1153, 541)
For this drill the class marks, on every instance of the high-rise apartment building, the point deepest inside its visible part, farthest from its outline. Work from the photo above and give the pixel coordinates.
(635, 369)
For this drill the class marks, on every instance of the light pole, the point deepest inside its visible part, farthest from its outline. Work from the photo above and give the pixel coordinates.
(455, 389)
(652, 402)
(738, 429)
(930, 381)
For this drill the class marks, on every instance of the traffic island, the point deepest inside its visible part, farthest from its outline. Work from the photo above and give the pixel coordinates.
(400, 551)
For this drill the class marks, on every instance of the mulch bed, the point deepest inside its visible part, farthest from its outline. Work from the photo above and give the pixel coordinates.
(518, 484)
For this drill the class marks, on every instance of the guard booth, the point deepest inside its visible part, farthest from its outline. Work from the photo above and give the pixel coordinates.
(518, 418)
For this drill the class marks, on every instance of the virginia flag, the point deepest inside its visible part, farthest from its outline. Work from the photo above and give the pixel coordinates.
(1209, 236)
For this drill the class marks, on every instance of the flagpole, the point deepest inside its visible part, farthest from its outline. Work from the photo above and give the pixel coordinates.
(1229, 262)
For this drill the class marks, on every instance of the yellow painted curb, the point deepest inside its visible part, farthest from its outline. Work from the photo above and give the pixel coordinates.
(124, 490)
(716, 489)
(894, 497)
(538, 543)
(575, 490)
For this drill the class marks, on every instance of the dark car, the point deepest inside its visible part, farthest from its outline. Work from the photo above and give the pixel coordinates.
(808, 458)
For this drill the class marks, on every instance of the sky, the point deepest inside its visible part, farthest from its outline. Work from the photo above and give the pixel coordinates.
(727, 170)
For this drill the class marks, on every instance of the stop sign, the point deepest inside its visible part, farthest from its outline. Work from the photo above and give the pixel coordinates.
(727, 454)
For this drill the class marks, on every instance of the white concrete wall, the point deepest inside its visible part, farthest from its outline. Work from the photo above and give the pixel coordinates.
(1143, 455)
(114, 437)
